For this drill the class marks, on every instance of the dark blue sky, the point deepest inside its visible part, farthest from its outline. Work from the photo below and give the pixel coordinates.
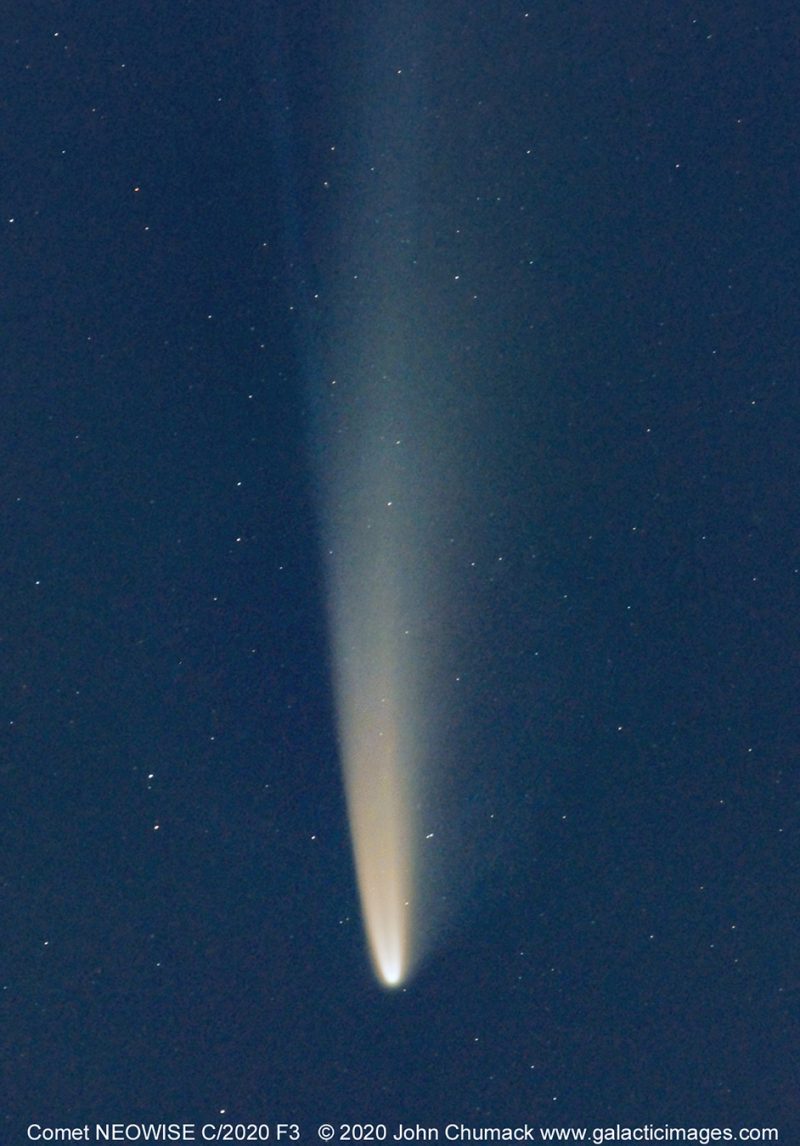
(616, 190)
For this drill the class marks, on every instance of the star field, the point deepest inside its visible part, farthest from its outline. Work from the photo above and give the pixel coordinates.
(591, 251)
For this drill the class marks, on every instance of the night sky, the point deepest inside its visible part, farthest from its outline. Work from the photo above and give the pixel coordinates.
(606, 238)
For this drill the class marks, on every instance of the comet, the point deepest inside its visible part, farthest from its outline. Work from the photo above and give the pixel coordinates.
(371, 307)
